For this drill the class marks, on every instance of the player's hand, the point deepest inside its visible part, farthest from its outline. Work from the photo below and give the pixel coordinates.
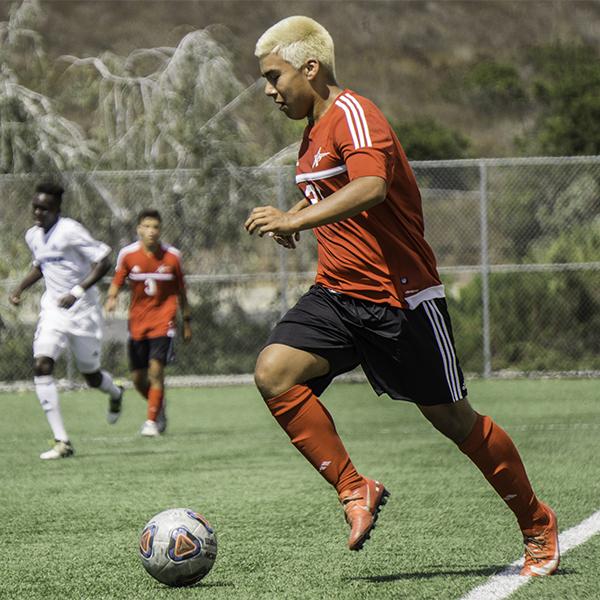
(287, 241)
(272, 221)
(66, 301)
(15, 297)
(187, 331)
(110, 304)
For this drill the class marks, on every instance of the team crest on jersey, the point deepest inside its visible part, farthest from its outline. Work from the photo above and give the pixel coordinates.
(135, 269)
(318, 157)
(164, 269)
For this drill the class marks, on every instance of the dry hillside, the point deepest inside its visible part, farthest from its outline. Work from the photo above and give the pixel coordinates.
(402, 54)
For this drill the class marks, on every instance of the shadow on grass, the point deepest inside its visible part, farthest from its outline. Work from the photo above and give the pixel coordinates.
(134, 452)
(218, 584)
(484, 572)
(489, 571)
(199, 585)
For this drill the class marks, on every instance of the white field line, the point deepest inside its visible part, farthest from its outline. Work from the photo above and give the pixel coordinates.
(508, 581)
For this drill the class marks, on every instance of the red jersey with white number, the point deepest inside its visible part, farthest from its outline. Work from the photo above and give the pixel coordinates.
(381, 254)
(156, 280)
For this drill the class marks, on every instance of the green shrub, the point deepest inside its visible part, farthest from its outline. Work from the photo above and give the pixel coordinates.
(426, 139)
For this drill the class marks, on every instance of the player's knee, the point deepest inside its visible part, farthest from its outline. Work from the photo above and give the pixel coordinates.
(142, 387)
(155, 379)
(140, 381)
(455, 421)
(155, 373)
(270, 376)
(43, 365)
(93, 379)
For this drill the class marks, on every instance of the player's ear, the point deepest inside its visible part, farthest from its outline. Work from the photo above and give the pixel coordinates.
(311, 67)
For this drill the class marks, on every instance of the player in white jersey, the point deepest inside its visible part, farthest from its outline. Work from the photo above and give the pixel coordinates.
(71, 261)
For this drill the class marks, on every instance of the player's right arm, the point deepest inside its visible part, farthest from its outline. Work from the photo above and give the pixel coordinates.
(35, 274)
(121, 272)
(111, 298)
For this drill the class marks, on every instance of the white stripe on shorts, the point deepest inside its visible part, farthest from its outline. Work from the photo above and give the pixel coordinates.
(446, 348)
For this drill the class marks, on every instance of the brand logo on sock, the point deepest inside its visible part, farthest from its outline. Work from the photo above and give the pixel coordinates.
(509, 497)
(324, 465)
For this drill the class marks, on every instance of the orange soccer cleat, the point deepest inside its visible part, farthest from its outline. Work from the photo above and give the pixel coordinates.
(542, 553)
(362, 506)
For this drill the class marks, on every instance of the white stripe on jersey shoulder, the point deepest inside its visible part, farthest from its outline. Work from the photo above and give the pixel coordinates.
(123, 252)
(171, 249)
(133, 247)
(316, 175)
(356, 120)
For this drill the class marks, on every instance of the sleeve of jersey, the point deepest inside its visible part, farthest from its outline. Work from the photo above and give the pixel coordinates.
(28, 239)
(86, 245)
(121, 271)
(362, 136)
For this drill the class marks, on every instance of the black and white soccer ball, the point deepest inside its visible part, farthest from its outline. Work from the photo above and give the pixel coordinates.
(178, 547)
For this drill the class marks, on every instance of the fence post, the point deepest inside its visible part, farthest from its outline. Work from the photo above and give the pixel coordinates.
(283, 261)
(485, 269)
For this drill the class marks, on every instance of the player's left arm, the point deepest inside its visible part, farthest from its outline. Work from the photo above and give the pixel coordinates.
(184, 305)
(358, 195)
(186, 315)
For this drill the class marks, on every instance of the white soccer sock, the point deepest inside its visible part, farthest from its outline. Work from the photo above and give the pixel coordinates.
(46, 391)
(108, 385)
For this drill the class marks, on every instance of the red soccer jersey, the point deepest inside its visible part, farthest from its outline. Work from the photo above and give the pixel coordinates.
(155, 280)
(381, 254)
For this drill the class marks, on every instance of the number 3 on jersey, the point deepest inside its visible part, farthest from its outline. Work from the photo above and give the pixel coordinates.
(150, 287)
(312, 194)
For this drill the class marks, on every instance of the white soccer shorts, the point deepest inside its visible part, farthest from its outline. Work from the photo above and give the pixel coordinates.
(54, 334)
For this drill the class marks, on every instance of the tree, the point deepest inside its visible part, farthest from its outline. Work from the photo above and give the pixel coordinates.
(567, 88)
(494, 86)
(34, 137)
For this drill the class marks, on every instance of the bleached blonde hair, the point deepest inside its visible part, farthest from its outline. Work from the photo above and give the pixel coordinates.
(296, 40)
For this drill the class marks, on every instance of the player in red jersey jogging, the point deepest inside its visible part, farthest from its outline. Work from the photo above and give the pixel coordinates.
(157, 285)
(377, 301)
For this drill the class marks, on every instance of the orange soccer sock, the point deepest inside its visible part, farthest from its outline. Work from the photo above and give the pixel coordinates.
(496, 456)
(311, 429)
(155, 397)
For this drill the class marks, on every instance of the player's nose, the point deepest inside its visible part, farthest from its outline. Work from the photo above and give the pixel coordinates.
(270, 90)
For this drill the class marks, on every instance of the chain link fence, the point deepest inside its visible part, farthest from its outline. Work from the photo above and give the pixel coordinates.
(517, 241)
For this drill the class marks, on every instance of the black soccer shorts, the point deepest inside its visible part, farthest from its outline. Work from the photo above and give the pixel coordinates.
(407, 354)
(141, 351)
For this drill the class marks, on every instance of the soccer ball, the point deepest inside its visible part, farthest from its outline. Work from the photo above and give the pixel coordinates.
(178, 547)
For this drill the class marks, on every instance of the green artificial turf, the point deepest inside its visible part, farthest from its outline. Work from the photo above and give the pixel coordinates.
(69, 528)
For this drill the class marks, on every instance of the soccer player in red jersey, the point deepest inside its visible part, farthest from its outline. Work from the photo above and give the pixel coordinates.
(377, 301)
(157, 285)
